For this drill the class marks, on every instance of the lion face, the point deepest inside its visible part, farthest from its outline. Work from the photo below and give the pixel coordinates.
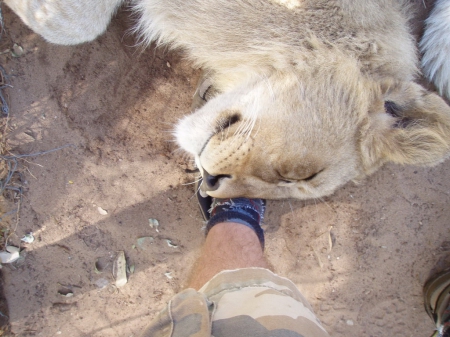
(291, 136)
(277, 159)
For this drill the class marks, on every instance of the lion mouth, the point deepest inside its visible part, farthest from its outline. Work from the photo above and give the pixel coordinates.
(209, 182)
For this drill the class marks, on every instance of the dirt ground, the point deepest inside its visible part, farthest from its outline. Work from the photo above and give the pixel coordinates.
(114, 107)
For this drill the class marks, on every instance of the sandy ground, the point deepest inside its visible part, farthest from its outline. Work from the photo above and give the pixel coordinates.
(115, 105)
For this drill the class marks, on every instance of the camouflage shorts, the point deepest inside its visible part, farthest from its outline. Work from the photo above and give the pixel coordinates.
(244, 302)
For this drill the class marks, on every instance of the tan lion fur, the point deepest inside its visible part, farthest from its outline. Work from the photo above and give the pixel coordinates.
(66, 22)
(310, 94)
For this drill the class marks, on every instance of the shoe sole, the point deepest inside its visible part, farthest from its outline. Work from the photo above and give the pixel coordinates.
(436, 294)
(203, 202)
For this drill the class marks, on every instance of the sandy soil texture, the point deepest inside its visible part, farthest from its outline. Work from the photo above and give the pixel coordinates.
(114, 107)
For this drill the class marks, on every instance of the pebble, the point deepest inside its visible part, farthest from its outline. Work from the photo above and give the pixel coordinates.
(101, 283)
(101, 211)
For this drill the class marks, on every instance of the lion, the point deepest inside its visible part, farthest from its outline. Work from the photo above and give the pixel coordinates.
(300, 96)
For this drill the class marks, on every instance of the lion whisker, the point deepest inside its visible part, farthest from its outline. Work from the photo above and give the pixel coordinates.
(191, 183)
(326, 203)
(197, 191)
(292, 209)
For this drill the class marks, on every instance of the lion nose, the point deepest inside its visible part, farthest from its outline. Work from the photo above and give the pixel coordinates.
(213, 182)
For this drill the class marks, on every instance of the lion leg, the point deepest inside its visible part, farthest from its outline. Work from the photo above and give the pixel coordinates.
(66, 22)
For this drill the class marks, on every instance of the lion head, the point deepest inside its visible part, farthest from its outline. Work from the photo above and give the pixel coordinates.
(305, 132)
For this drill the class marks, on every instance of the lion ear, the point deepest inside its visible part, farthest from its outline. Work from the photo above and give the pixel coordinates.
(408, 126)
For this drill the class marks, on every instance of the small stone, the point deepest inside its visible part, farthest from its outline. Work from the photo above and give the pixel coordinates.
(170, 244)
(17, 51)
(101, 283)
(10, 255)
(120, 269)
(28, 238)
(349, 322)
(101, 211)
(153, 223)
(144, 242)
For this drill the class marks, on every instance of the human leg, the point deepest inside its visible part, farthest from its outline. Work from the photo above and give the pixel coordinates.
(228, 246)
(234, 239)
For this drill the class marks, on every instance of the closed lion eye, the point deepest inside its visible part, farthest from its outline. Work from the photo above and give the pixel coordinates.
(311, 177)
(286, 181)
